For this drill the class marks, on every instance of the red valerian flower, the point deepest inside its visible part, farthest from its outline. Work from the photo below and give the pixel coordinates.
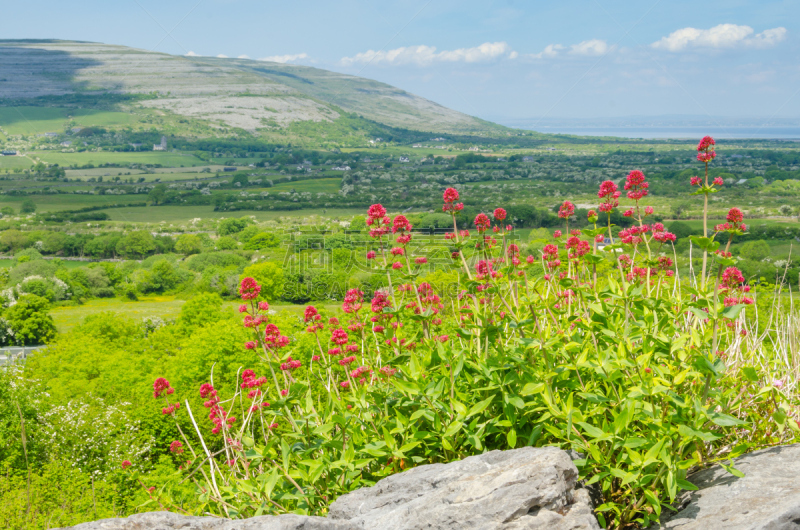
(310, 314)
(482, 222)
(339, 336)
(371, 254)
(176, 447)
(161, 386)
(249, 289)
(250, 345)
(735, 215)
(648, 210)
(243, 308)
(718, 181)
(397, 265)
(126, 464)
(499, 214)
(566, 210)
(376, 211)
(628, 213)
(400, 224)
(705, 143)
(636, 185)
(591, 216)
(557, 234)
(263, 306)
(450, 195)
(421, 260)
(732, 277)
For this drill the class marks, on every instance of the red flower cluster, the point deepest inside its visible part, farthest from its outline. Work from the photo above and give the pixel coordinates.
(249, 289)
(499, 214)
(176, 447)
(636, 185)
(378, 220)
(401, 224)
(566, 210)
(161, 387)
(353, 300)
(347, 360)
(291, 365)
(705, 150)
(609, 192)
(482, 222)
(217, 414)
(273, 337)
(450, 198)
(734, 222)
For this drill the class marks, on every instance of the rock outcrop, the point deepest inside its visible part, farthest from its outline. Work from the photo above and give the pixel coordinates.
(767, 497)
(528, 488)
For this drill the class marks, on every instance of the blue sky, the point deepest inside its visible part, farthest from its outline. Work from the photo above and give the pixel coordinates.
(500, 60)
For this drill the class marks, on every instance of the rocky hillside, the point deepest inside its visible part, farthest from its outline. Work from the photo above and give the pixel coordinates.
(227, 92)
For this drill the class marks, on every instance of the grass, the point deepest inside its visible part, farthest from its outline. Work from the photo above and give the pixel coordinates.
(176, 214)
(54, 203)
(39, 120)
(15, 162)
(165, 158)
(165, 307)
(324, 185)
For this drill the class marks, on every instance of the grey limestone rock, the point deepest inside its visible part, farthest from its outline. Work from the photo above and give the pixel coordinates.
(767, 498)
(522, 489)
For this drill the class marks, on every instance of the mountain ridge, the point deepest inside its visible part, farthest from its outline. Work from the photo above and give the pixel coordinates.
(242, 93)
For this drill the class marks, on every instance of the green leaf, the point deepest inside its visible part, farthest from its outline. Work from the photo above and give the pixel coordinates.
(750, 373)
(723, 420)
(532, 388)
(733, 311)
(686, 485)
(480, 406)
(732, 470)
(404, 386)
(453, 428)
(511, 436)
(591, 430)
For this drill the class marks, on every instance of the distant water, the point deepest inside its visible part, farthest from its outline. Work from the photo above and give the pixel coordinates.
(768, 133)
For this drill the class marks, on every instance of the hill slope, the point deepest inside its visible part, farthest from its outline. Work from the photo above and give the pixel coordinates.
(240, 93)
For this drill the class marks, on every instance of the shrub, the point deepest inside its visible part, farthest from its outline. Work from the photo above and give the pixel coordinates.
(29, 320)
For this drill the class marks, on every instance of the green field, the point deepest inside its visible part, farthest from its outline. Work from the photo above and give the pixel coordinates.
(178, 214)
(55, 203)
(39, 120)
(12, 162)
(165, 307)
(324, 185)
(165, 158)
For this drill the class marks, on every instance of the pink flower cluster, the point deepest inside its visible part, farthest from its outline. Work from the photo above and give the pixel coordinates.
(450, 205)
(218, 416)
(378, 221)
(636, 185)
(610, 195)
(566, 210)
(705, 150)
(249, 289)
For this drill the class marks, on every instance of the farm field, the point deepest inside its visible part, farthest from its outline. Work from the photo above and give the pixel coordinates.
(165, 158)
(164, 307)
(39, 120)
(177, 214)
(55, 203)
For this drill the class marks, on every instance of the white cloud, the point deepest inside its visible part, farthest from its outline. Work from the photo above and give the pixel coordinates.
(551, 50)
(425, 55)
(285, 58)
(589, 47)
(221, 56)
(243, 57)
(192, 54)
(721, 36)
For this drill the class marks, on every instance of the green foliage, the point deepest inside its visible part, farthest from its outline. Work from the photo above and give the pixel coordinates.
(232, 225)
(136, 245)
(27, 206)
(189, 244)
(263, 240)
(269, 275)
(755, 250)
(29, 320)
(227, 243)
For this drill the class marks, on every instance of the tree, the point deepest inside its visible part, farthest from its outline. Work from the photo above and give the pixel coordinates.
(7, 210)
(27, 206)
(227, 243)
(680, 229)
(157, 194)
(136, 244)
(231, 226)
(189, 244)
(30, 321)
(263, 240)
(755, 250)
(269, 276)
